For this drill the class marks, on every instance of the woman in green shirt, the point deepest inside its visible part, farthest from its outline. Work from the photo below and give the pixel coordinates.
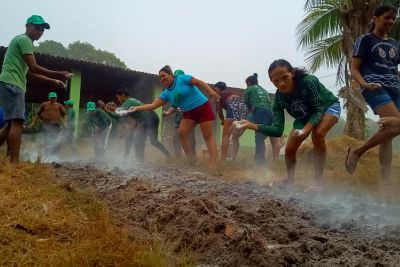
(259, 105)
(314, 107)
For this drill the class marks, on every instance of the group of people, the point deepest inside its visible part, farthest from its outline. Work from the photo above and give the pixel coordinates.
(315, 109)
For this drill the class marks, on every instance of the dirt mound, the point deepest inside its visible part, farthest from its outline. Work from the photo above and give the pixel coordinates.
(232, 224)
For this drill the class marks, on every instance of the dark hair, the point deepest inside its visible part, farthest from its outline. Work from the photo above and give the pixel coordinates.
(298, 72)
(379, 11)
(220, 85)
(166, 69)
(252, 80)
(123, 91)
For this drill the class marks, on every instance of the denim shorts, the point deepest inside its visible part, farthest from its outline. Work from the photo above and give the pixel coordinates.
(334, 110)
(12, 100)
(380, 97)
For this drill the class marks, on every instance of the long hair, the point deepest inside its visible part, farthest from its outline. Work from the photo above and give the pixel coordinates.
(299, 73)
(379, 11)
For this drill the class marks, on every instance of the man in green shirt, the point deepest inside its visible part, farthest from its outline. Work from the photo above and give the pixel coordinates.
(147, 124)
(100, 125)
(19, 62)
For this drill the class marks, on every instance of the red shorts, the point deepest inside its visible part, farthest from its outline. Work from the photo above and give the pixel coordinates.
(200, 114)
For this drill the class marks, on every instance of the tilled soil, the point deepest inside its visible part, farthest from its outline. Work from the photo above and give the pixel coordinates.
(244, 224)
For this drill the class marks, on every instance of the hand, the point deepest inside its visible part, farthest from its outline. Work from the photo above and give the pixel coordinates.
(101, 104)
(216, 97)
(165, 114)
(59, 84)
(302, 133)
(133, 109)
(372, 86)
(245, 124)
(391, 122)
(67, 75)
(31, 125)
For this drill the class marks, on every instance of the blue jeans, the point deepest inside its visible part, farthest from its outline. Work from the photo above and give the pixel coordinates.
(261, 116)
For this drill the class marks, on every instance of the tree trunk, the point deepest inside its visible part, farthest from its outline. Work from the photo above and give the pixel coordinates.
(356, 17)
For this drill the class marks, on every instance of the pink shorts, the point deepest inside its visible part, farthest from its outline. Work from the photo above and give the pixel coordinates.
(200, 114)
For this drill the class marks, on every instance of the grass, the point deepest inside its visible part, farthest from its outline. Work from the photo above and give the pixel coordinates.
(44, 223)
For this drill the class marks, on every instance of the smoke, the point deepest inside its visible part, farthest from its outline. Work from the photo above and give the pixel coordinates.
(333, 208)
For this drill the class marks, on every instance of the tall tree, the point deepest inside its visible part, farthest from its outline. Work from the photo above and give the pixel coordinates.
(81, 51)
(52, 48)
(327, 34)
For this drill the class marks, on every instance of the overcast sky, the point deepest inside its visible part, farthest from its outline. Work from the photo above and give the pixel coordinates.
(212, 40)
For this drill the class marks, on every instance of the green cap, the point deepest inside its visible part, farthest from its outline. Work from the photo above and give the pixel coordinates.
(179, 72)
(69, 102)
(52, 95)
(38, 20)
(90, 106)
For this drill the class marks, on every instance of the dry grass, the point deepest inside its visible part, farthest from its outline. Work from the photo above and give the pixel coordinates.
(43, 223)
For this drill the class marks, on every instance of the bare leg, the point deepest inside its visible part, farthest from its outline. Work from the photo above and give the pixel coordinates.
(206, 129)
(236, 134)
(276, 148)
(14, 139)
(185, 128)
(226, 134)
(292, 146)
(379, 138)
(318, 139)
(4, 132)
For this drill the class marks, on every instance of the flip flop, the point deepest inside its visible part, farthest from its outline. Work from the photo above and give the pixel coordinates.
(349, 167)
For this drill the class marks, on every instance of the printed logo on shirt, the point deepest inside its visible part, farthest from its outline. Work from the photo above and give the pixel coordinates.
(382, 52)
(392, 53)
(177, 98)
(298, 106)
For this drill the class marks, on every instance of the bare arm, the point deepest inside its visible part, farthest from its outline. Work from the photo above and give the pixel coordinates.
(158, 102)
(35, 68)
(38, 115)
(220, 112)
(41, 78)
(205, 87)
(168, 112)
(64, 115)
(355, 72)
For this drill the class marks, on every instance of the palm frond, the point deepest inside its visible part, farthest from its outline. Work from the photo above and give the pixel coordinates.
(325, 52)
(320, 23)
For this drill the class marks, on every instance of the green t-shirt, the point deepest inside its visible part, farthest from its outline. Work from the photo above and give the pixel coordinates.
(70, 118)
(256, 97)
(139, 116)
(14, 66)
(307, 104)
(98, 120)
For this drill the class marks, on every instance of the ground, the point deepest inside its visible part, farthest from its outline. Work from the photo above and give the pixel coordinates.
(234, 216)
(227, 223)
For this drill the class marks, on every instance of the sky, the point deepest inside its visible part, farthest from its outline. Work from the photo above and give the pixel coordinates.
(213, 40)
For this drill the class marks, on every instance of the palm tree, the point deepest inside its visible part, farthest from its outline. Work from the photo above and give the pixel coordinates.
(327, 34)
